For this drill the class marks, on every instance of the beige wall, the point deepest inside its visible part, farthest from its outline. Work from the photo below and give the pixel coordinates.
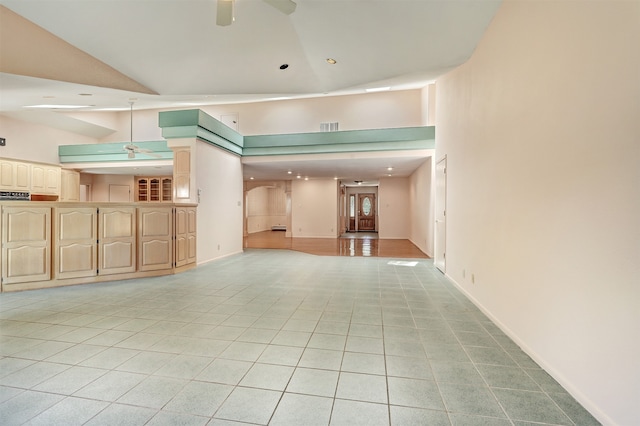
(314, 208)
(353, 112)
(266, 207)
(542, 137)
(34, 142)
(393, 215)
(100, 186)
(421, 207)
(220, 212)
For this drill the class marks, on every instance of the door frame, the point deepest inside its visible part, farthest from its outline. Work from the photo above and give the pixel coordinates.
(440, 226)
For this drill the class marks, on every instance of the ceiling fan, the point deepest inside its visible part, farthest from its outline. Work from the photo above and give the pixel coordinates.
(133, 149)
(225, 16)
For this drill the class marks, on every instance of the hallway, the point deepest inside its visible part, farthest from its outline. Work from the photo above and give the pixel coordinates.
(269, 337)
(365, 244)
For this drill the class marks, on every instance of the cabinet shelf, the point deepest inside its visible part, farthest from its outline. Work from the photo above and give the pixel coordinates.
(154, 189)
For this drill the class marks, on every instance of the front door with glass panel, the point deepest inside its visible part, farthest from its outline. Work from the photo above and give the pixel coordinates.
(366, 212)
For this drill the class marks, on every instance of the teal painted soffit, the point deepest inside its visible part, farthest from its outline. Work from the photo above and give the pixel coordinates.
(108, 152)
(194, 123)
(404, 138)
(197, 124)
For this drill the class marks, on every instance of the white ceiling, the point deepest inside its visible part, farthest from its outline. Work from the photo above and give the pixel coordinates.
(174, 49)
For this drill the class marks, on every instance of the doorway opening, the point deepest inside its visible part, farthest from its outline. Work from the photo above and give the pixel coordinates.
(362, 211)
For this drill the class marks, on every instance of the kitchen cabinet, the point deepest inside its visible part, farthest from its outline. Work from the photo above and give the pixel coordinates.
(185, 232)
(155, 238)
(50, 244)
(75, 242)
(70, 185)
(154, 189)
(45, 179)
(26, 245)
(15, 176)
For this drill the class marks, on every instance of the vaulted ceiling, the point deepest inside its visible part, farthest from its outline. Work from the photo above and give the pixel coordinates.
(101, 54)
(171, 52)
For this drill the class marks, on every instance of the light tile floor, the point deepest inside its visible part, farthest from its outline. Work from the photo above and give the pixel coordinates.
(269, 337)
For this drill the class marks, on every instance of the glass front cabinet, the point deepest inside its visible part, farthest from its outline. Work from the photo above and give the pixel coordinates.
(154, 189)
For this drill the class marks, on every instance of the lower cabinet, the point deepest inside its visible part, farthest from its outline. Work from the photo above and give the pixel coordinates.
(26, 245)
(75, 239)
(185, 230)
(117, 240)
(155, 238)
(70, 244)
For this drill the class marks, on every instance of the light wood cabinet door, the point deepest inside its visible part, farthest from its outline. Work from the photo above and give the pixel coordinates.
(26, 245)
(191, 234)
(15, 176)
(182, 175)
(45, 179)
(185, 235)
(75, 242)
(155, 238)
(181, 248)
(70, 185)
(117, 240)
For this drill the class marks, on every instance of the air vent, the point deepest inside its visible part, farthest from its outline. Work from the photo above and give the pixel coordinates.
(329, 127)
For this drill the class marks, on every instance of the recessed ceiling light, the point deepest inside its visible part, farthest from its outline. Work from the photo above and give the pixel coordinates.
(251, 178)
(306, 178)
(378, 89)
(298, 177)
(284, 66)
(389, 168)
(289, 172)
(331, 61)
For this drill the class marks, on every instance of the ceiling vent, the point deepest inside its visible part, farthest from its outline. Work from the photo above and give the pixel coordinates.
(329, 127)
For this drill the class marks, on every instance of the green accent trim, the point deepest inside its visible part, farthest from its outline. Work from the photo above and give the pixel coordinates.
(108, 152)
(338, 148)
(196, 124)
(194, 118)
(342, 137)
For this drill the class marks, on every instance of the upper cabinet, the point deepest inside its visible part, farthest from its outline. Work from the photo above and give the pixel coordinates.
(70, 187)
(15, 176)
(45, 179)
(154, 189)
(24, 176)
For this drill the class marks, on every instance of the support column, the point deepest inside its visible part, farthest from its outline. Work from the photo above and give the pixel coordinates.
(185, 189)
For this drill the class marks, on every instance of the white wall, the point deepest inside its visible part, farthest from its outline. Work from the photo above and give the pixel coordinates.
(542, 137)
(314, 208)
(393, 214)
(219, 175)
(421, 207)
(33, 142)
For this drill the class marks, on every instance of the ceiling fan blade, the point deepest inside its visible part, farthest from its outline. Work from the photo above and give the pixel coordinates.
(148, 152)
(224, 12)
(285, 6)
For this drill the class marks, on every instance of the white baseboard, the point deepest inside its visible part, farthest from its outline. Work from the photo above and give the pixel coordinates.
(589, 405)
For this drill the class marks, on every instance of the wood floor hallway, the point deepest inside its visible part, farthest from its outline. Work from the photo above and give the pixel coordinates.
(367, 245)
